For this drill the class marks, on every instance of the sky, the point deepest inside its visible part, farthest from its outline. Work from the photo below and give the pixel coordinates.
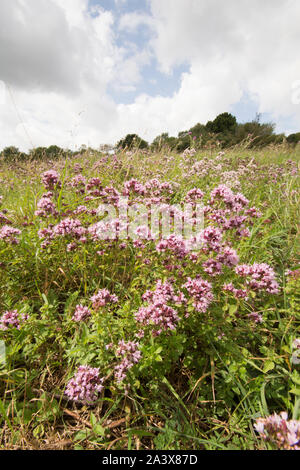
(88, 72)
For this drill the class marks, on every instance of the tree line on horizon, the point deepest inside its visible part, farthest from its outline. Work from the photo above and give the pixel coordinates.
(223, 132)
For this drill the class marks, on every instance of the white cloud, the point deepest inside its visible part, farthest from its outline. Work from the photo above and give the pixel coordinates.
(199, 98)
(255, 42)
(59, 62)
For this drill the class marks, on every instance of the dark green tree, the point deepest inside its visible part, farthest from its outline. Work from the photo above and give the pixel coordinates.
(12, 154)
(47, 153)
(164, 141)
(38, 153)
(293, 138)
(198, 130)
(224, 122)
(54, 151)
(183, 141)
(132, 141)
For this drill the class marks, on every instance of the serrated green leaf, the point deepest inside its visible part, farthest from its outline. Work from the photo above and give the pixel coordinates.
(269, 365)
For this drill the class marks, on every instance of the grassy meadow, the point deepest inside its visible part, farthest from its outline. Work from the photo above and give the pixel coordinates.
(146, 344)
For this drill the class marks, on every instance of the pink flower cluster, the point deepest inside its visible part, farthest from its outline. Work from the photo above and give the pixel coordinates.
(193, 195)
(174, 244)
(78, 182)
(8, 234)
(84, 210)
(253, 212)
(12, 319)
(163, 292)
(81, 313)
(46, 206)
(4, 219)
(238, 293)
(85, 385)
(262, 277)
(155, 188)
(236, 202)
(152, 189)
(46, 234)
(110, 195)
(135, 187)
(94, 187)
(94, 183)
(234, 222)
(68, 227)
(228, 257)
(211, 239)
(102, 298)
(212, 267)
(157, 312)
(50, 179)
(130, 354)
(143, 232)
(222, 192)
(279, 431)
(201, 292)
(106, 230)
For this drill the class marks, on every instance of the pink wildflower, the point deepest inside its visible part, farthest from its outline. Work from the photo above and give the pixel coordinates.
(8, 234)
(193, 195)
(175, 244)
(158, 312)
(201, 293)
(102, 298)
(238, 293)
(211, 239)
(50, 179)
(81, 313)
(70, 227)
(262, 277)
(280, 432)
(12, 319)
(228, 257)
(212, 267)
(78, 181)
(85, 385)
(4, 219)
(130, 354)
(133, 186)
(46, 207)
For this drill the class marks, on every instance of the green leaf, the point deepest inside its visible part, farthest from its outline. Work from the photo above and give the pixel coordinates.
(99, 430)
(295, 391)
(269, 365)
(233, 309)
(93, 419)
(81, 436)
(39, 431)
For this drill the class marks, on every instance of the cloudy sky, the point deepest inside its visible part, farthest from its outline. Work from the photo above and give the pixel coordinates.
(76, 72)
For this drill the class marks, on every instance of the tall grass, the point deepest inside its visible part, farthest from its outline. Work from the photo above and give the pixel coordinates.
(200, 386)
